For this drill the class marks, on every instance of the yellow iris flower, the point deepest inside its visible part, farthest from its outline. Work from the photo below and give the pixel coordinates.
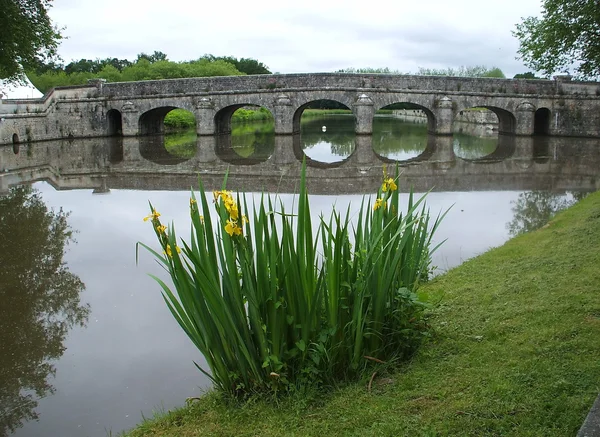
(154, 216)
(232, 228)
(378, 204)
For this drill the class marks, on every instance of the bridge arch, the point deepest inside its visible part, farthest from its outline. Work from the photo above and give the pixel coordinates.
(541, 123)
(152, 122)
(114, 123)
(411, 106)
(507, 122)
(223, 117)
(325, 103)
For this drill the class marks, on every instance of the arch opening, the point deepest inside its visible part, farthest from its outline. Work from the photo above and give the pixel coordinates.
(541, 123)
(166, 119)
(115, 123)
(246, 133)
(401, 131)
(327, 130)
(479, 133)
(243, 114)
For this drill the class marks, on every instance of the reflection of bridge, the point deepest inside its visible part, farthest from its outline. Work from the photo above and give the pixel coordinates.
(523, 107)
(519, 163)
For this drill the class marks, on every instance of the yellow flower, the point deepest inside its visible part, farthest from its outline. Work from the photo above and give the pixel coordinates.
(161, 229)
(154, 216)
(244, 220)
(232, 209)
(232, 228)
(192, 202)
(378, 204)
(389, 184)
(169, 252)
(201, 219)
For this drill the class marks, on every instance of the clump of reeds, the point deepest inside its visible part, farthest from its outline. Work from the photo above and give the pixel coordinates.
(275, 303)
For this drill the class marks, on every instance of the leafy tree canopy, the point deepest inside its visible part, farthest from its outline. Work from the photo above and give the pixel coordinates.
(528, 75)
(245, 65)
(462, 71)
(567, 36)
(27, 36)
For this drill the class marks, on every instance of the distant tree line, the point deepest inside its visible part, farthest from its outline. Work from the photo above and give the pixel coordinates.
(146, 67)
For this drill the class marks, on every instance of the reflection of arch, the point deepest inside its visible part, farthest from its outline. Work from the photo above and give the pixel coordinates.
(115, 123)
(115, 150)
(226, 152)
(505, 148)
(431, 121)
(319, 103)
(224, 115)
(15, 140)
(153, 149)
(425, 155)
(541, 149)
(541, 124)
(300, 155)
(152, 122)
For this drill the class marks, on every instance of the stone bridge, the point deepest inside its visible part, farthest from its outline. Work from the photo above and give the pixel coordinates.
(558, 107)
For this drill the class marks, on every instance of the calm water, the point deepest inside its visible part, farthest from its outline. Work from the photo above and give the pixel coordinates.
(89, 347)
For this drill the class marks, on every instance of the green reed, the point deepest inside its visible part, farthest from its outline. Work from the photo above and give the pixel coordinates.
(275, 303)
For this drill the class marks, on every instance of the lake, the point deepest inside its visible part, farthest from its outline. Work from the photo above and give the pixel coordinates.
(88, 345)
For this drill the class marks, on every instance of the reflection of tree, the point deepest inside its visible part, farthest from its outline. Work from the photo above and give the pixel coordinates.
(39, 302)
(535, 208)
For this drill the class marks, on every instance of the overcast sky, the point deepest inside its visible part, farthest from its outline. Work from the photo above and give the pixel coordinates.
(300, 36)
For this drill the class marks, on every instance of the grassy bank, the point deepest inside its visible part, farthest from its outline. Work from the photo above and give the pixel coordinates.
(515, 353)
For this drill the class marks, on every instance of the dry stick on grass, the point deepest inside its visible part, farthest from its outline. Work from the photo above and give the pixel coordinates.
(371, 381)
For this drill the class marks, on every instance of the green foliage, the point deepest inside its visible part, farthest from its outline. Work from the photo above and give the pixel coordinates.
(528, 75)
(180, 119)
(463, 71)
(274, 305)
(245, 65)
(567, 36)
(369, 70)
(27, 36)
(142, 69)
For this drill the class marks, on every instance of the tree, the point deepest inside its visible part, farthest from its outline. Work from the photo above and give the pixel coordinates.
(41, 302)
(566, 37)
(462, 71)
(528, 75)
(27, 37)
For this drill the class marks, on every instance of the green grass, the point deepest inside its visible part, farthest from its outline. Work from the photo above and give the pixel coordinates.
(515, 353)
